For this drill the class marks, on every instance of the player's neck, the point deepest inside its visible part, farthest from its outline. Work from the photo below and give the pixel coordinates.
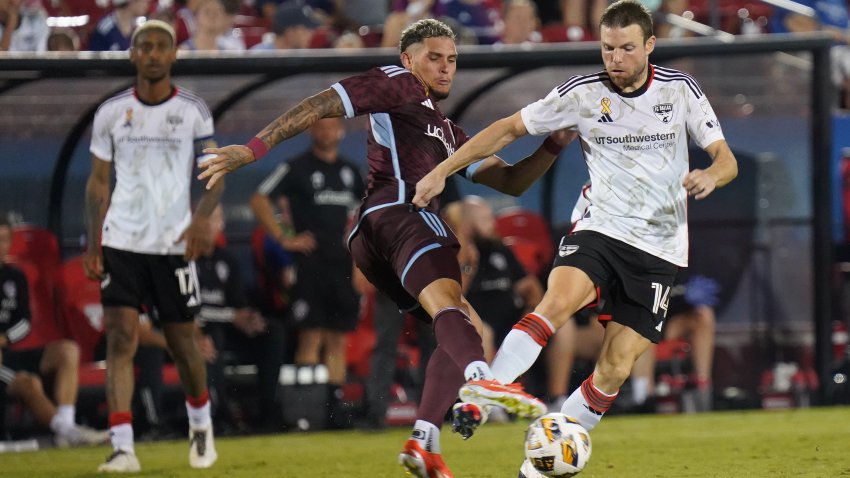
(156, 92)
(326, 155)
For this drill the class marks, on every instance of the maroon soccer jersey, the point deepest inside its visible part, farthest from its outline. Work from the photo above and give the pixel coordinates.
(408, 134)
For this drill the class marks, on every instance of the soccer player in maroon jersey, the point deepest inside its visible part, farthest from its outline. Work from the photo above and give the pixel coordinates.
(407, 252)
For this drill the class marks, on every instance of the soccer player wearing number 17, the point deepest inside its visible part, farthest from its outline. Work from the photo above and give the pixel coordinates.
(151, 135)
(633, 119)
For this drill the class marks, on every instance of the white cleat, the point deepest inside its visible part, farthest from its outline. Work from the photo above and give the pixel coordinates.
(527, 470)
(120, 461)
(202, 452)
(82, 436)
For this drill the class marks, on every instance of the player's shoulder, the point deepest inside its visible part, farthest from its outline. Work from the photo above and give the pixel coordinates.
(670, 75)
(117, 101)
(192, 99)
(581, 81)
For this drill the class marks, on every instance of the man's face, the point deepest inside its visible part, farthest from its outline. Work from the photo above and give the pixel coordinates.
(153, 54)
(327, 133)
(480, 217)
(434, 61)
(5, 242)
(625, 55)
(299, 36)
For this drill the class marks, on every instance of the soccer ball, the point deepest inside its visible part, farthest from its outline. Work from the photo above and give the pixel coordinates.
(557, 446)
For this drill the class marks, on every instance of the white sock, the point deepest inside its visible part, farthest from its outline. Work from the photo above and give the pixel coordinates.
(199, 417)
(122, 437)
(66, 413)
(640, 390)
(61, 427)
(516, 355)
(577, 407)
(478, 370)
(428, 436)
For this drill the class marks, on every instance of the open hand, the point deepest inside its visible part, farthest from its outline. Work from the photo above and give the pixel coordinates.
(227, 159)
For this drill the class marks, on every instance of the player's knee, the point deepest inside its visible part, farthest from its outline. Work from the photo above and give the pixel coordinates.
(68, 351)
(25, 384)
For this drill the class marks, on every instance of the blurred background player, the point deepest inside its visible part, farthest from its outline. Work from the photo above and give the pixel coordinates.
(235, 329)
(322, 190)
(21, 370)
(143, 238)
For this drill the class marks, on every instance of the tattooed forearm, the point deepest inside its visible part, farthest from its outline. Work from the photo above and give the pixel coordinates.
(326, 104)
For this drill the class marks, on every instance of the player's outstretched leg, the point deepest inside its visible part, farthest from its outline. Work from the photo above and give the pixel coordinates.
(511, 397)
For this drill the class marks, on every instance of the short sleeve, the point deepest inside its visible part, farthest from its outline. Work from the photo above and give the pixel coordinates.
(379, 90)
(101, 137)
(551, 113)
(703, 126)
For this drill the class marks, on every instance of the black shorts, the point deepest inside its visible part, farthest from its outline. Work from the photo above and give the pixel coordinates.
(167, 282)
(634, 284)
(28, 360)
(323, 296)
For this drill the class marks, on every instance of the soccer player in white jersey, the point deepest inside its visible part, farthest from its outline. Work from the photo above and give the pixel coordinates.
(634, 120)
(143, 238)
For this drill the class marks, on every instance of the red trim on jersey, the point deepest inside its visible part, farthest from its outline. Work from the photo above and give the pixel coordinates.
(604, 317)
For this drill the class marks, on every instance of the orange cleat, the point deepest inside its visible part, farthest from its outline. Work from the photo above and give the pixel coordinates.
(421, 463)
(511, 397)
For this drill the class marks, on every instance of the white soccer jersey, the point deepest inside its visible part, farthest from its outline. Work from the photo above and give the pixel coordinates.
(154, 149)
(636, 149)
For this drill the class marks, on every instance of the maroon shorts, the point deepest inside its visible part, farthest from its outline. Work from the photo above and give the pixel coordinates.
(402, 249)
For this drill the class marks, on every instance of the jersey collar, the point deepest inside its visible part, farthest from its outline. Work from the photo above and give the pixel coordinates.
(642, 89)
(172, 95)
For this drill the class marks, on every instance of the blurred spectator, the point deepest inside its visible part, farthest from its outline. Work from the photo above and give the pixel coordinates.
(230, 38)
(478, 17)
(184, 21)
(348, 41)
(323, 190)
(520, 23)
(403, 15)
(213, 29)
(20, 370)
(23, 25)
(353, 14)
(831, 16)
(231, 327)
(581, 18)
(292, 28)
(63, 39)
(209, 24)
(113, 31)
(691, 317)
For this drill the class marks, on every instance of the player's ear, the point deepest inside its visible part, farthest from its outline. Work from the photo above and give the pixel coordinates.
(406, 60)
(650, 44)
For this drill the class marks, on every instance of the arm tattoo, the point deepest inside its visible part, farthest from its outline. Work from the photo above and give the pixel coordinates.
(326, 104)
(209, 200)
(97, 199)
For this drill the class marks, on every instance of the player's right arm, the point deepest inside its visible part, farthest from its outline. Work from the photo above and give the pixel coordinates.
(97, 201)
(327, 104)
(484, 144)
(515, 179)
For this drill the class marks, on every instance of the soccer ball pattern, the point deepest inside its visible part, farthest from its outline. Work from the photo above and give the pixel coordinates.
(557, 446)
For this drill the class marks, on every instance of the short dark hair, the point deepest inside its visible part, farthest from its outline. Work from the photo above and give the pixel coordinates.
(422, 29)
(625, 13)
(4, 221)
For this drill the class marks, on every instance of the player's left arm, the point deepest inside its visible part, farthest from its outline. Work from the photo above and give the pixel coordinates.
(517, 178)
(724, 167)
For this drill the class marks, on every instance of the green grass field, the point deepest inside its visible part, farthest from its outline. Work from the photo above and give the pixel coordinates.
(798, 443)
